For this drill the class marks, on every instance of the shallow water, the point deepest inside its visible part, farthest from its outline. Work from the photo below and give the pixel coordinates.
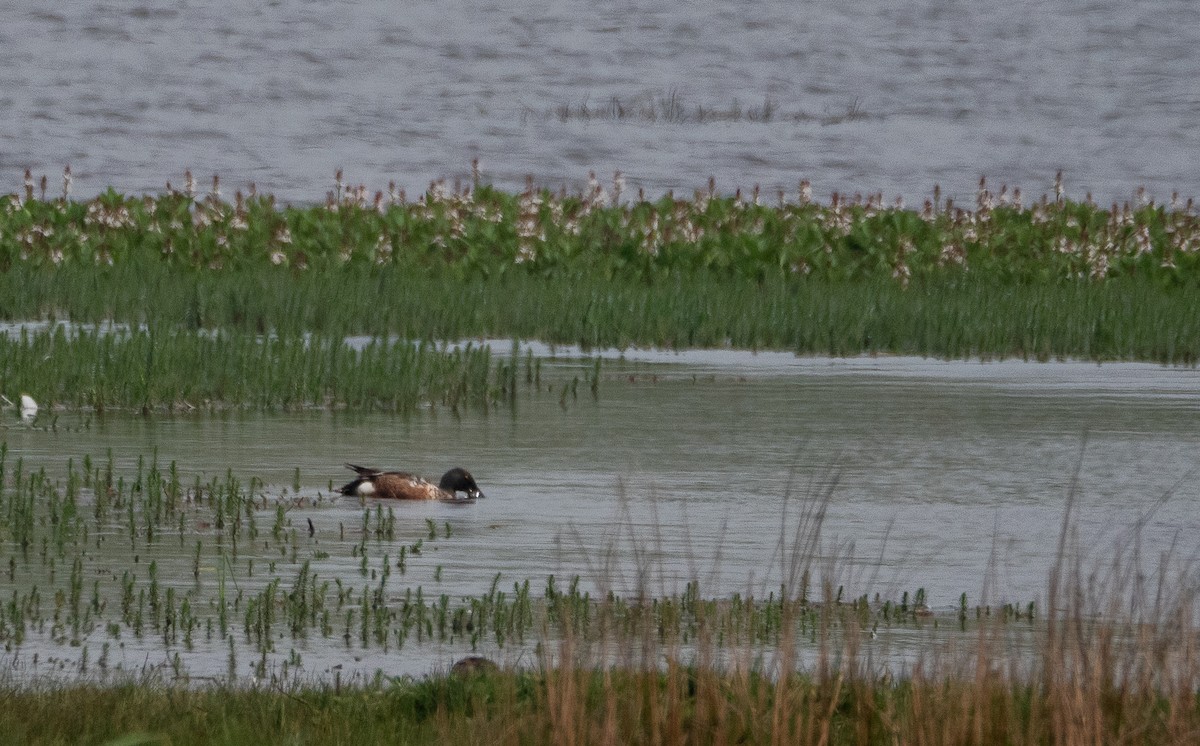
(709, 455)
(948, 476)
(867, 95)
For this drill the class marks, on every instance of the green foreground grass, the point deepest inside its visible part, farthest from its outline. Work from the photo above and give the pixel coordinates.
(677, 704)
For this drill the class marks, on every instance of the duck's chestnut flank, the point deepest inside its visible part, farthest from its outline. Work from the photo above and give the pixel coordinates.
(399, 485)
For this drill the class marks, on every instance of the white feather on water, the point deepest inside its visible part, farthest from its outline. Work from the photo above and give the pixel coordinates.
(29, 407)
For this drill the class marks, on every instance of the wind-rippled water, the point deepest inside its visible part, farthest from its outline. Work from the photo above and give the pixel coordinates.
(856, 96)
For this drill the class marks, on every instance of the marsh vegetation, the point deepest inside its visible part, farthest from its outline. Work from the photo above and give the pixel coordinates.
(158, 598)
(245, 303)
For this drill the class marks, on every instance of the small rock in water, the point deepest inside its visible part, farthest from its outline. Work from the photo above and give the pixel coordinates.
(473, 664)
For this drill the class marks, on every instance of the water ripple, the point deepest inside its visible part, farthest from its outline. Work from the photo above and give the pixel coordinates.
(947, 91)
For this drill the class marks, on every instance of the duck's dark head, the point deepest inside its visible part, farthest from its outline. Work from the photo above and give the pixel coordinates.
(460, 480)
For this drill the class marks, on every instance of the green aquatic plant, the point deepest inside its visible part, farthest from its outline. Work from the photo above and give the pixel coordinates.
(1004, 276)
(178, 370)
(478, 231)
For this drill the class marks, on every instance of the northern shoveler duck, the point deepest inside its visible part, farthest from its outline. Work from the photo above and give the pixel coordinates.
(398, 485)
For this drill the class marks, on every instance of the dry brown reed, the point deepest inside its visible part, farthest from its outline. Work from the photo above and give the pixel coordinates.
(1112, 659)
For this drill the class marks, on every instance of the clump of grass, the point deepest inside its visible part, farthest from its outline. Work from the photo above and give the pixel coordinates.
(164, 369)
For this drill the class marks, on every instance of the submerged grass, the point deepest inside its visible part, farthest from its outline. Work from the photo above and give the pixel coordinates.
(672, 108)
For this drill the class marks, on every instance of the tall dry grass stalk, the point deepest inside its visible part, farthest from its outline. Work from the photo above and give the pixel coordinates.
(1111, 659)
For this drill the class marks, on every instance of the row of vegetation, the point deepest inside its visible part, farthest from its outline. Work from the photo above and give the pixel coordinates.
(582, 705)
(478, 231)
(169, 369)
(972, 316)
(217, 566)
(1003, 277)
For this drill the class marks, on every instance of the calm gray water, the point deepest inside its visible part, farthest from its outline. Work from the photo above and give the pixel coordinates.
(282, 93)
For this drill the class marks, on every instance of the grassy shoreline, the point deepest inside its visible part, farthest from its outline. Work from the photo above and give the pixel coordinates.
(278, 348)
(684, 704)
(1050, 279)
(1084, 689)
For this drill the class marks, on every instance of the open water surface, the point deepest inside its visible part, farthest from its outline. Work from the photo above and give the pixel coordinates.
(864, 95)
(948, 476)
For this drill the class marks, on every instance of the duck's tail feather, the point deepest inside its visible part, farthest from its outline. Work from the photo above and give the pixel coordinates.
(363, 471)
